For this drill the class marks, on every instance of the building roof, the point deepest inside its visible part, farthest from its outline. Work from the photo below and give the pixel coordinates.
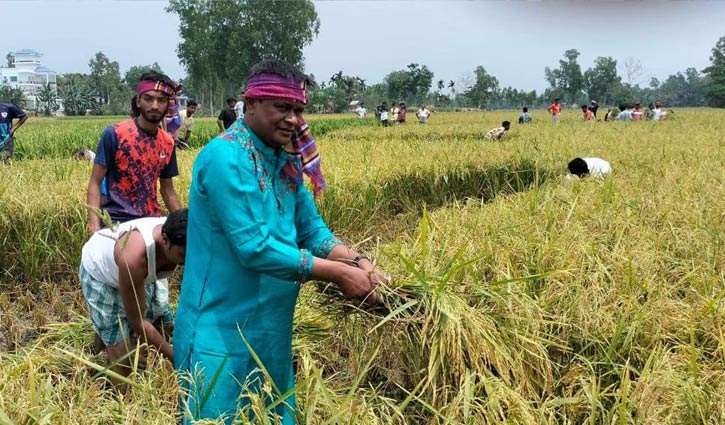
(44, 70)
(26, 52)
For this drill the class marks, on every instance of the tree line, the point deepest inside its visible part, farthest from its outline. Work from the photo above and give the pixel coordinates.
(221, 41)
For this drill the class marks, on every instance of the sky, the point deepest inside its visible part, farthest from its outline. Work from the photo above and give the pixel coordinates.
(514, 41)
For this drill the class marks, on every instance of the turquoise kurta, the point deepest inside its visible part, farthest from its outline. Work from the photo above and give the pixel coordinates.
(251, 239)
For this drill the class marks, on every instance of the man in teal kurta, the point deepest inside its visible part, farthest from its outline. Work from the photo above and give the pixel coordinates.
(254, 235)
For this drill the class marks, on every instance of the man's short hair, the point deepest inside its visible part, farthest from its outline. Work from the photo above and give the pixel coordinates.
(556, 100)
(584, 107)
(526, 109)
(192, 103)
(175, 227)
(152, 75)
(506, 124)
(231, 99)
(282, 69)
(622, 107)
(578, 167)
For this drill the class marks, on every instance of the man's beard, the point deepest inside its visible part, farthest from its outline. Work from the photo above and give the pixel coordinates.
(152, 120)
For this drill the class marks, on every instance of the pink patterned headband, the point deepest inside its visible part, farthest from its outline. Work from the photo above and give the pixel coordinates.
(148, 85)
(271, 86)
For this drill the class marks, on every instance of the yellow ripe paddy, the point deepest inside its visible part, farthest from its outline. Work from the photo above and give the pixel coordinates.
(517, 296)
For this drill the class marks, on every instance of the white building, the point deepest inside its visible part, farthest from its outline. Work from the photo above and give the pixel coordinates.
(28, 74)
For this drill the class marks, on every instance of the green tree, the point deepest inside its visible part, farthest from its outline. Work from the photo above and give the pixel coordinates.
(411, 85)
(714, 88)
(105, 77)
(10, 59)
(12, 95)
(76, 93)
(133, 75)
(222, 40)
(601, 81)
(47, 97)
(483, 90)
(566, 81)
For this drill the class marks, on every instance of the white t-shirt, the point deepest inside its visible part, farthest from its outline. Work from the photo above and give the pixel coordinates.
(423, 115)
(361, 112)
(98, 257)
(239, 109)
(383, 115)
(598, 167)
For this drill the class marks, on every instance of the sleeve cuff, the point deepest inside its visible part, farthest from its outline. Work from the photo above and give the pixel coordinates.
(304, 269)
(323, 249)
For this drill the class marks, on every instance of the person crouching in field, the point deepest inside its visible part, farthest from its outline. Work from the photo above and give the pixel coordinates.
(121, 276)
(498, 132)
(587, 115)
(583, 167)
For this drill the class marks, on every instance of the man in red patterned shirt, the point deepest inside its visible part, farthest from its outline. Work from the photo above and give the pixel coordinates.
(132, 156)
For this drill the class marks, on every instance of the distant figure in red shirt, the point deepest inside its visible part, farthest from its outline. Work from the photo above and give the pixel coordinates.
(555, 110)
(587, 115)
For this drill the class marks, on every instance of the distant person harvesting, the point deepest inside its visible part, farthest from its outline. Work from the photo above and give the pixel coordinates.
(8, 114)
(255, 236)
(555, 111)
(583, 167)
(587, 115)
(134, 156)
(120, 273)
(498, 132)
(525, 117)
(594, 107)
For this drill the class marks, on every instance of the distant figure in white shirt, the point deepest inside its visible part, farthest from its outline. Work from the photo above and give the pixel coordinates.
(595, 167)
(361, 111)
(422, 114)
(239, 106)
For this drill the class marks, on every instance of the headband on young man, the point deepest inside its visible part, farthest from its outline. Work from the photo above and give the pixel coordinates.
(271, 86)
(149, 85)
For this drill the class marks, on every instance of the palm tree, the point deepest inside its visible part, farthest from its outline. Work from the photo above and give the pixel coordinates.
(451, 86)
(47, 97)
(441, 85)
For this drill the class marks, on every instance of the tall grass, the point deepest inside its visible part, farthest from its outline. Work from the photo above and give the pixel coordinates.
(517, 296)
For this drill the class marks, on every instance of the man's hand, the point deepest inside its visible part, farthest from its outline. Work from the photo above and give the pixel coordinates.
(358, 284)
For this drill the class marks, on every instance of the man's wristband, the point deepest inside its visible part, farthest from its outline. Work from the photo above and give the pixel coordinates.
(356, 261)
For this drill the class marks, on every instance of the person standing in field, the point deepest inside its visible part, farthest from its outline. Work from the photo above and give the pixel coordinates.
(384, 114)
(361, 111)
(498, 132)
(555, 111)
(8, 114)
(132, 157)
(239, 106)
(255, 235)
(525, 117)
(394, 110)
(422, 114)
(594, 107)
(121, 275)
(401, 113)
(187, 125)
(637, 112)
(227, 116)
(587, 115)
